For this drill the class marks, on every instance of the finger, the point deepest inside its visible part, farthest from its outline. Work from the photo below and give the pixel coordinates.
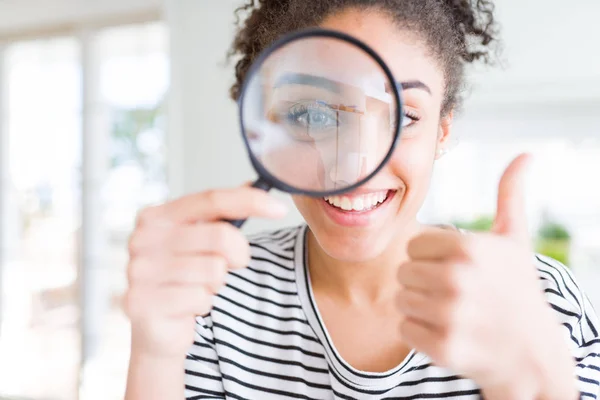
(238, 203)
(419, 335)
(219, 238)
(511, 216)
(431, 278)
(425, 309)
(207, 271)
(438, 245)
(168, 301)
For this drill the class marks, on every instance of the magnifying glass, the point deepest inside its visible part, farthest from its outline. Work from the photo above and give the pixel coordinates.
(320, 114)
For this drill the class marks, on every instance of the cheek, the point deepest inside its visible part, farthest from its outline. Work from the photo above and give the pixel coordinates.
(413, 163)
(304, 204)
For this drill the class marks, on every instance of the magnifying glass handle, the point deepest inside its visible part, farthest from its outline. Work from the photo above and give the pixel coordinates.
(260, 183)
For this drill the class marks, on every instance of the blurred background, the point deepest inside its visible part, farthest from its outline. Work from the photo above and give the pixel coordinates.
(109, 106)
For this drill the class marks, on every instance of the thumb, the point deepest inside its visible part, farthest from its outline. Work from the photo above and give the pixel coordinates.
(511, 215)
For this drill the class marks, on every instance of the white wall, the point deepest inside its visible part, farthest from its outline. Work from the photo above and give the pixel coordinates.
(550, 45)
(206, 149)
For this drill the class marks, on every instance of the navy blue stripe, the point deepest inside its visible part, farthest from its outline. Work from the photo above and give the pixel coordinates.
(279, 278)
(264, 328)
(285, 292)
(270, 261)
(270, 344)
(272, 252)
(263, 313)
(275, 376)
(563, 280)
(273, 360)
(194, 357)
(229, 285)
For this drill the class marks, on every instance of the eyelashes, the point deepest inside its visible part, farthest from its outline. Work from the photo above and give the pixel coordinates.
(410, 118)
(412, 115)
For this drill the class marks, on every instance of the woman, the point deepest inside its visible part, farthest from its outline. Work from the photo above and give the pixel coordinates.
(363, 301)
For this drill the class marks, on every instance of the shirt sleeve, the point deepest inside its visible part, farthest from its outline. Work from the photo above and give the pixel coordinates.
(202, 373)
(579, 321)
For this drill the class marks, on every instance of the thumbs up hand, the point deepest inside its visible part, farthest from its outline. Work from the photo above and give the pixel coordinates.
(473, 303)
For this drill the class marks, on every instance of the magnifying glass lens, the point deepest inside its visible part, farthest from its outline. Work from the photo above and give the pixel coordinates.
(320, 115)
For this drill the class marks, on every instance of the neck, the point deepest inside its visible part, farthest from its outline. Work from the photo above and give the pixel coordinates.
(370, 281)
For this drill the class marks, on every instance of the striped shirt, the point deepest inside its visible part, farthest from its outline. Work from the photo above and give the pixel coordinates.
(264, 338)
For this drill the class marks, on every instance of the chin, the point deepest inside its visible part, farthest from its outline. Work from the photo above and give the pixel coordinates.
(353, 247)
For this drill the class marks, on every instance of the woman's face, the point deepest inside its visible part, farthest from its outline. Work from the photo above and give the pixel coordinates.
(357, 236)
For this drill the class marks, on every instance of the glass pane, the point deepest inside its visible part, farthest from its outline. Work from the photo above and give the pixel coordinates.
(133, 80)
(40, 271)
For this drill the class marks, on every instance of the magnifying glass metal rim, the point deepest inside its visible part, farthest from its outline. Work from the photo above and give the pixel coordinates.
(266, 179)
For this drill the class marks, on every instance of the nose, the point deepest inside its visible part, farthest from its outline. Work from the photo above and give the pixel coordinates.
(358, 153)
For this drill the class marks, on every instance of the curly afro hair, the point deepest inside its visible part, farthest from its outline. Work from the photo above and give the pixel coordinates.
(457, 32)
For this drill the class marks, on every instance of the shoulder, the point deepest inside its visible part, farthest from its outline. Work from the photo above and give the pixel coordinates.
(269, 280)
(279, 241)
(273, 250)
(568, 300)
(559, 284)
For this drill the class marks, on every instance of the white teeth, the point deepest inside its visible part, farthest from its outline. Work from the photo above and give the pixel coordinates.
(346, 204)
(357, 203)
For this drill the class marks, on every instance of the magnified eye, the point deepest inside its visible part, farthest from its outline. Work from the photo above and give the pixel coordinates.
(313, 115)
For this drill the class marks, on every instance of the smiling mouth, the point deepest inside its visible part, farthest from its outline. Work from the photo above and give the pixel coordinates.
(359, 203)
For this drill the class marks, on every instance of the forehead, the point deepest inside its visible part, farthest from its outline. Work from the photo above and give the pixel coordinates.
(328, 63)
(403, 51)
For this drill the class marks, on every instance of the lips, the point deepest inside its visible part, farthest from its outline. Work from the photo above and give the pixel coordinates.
(357, 209)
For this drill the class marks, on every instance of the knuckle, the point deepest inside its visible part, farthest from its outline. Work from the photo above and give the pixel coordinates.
(148, 215)
(218, 274)
(213, 198)
(221, 235)
(219, 267)
(405, 270)
(245, 252)
(137, 270)
(204, 304)
(131, 303)
(453, 280)
(408, 301)
(136, 243)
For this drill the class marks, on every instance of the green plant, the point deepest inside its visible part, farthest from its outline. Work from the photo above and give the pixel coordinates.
(554, 241)
(553, 230)
(479, 224)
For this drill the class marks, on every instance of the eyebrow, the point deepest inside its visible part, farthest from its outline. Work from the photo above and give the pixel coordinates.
(309, 80)
(336, 87)
(414, 85)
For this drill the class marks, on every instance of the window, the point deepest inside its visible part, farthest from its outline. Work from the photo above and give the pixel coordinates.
(43, 124)
(111, 86)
